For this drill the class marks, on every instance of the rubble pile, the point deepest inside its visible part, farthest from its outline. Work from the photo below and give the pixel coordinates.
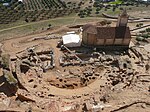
(120, 74)
(39, 60)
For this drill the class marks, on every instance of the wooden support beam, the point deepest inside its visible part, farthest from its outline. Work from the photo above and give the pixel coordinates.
(72, 53)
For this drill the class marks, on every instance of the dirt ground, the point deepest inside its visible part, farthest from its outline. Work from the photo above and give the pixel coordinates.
(111, 90)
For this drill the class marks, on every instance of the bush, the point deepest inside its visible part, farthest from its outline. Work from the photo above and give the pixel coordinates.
(97, 12)
(139, 25)
(143, 31)
(81, 16)
(9, 77)
(145, 36)
(147, 29)
(108, 22)
(49, 25)
(138, 38)
(5, 61)
(97, 9)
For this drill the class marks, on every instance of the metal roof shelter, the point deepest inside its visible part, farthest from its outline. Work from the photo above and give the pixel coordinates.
(120, 35)
(71, 40)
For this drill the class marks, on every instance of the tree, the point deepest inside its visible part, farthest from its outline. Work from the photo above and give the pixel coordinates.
(139, 25)
(97, 9)
(145, 36)
(97, 12)
(147, 29)
(27, 20)
(113, 9)
(49, 26)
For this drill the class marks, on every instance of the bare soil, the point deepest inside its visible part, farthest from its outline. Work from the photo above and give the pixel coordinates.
(131, 92)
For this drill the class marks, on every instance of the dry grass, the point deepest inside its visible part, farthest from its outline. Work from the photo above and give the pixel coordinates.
(35, 27)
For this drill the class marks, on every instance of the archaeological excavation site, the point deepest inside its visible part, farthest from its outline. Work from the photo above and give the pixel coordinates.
(88, 67)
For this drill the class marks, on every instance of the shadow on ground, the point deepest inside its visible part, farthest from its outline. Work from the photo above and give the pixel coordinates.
(6, 88)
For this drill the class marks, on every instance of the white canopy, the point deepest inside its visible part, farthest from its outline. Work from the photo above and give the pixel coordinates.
(71, 40)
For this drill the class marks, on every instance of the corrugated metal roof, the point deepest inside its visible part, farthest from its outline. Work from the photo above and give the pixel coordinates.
(108, 32)
(113, 32)
(92, 29)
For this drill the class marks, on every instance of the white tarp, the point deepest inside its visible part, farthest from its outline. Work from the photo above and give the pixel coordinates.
(20, 0)
(71, 32)
(71, 40)
(5, 4)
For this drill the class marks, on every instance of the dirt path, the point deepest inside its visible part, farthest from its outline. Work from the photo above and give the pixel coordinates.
(14, 44)
(32, 23)
(60, 18)
(141, 28)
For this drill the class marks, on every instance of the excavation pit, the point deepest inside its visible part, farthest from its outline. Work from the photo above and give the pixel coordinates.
(74, 78)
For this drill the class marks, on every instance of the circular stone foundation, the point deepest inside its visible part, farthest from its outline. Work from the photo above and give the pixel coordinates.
(73, 78)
